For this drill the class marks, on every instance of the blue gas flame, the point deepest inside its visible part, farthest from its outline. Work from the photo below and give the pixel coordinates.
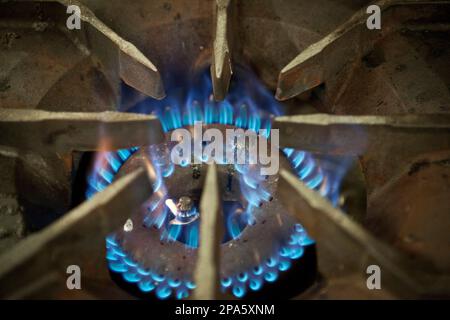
(248, 106)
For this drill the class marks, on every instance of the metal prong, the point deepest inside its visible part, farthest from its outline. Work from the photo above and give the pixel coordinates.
(207, 271)
(354, 135)
(340, 49)
(342, 242)
(44, 131)
(134, 67)
(77, 238)
(221, 69)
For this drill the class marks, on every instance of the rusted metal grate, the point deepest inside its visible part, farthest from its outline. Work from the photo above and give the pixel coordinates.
(37, 261)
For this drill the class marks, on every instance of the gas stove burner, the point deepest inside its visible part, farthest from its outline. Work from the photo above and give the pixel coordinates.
(91, 93)
(261, 240)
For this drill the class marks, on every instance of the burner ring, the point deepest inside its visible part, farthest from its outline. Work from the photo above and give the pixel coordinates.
(242, 272)
(167, 266)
